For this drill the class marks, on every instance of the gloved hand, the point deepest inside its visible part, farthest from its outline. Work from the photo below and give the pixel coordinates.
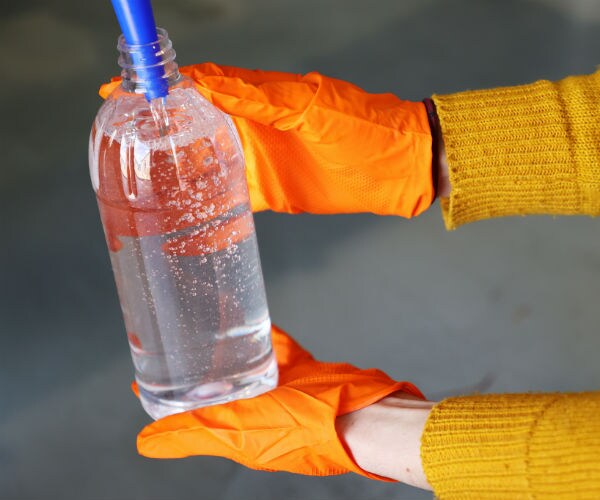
(320, 145)
(291, 428)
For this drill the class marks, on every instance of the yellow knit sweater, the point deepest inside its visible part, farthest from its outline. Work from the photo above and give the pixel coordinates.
(531, 149)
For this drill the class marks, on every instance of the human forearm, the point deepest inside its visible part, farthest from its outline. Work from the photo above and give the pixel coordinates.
(482, 446)
(385, 437)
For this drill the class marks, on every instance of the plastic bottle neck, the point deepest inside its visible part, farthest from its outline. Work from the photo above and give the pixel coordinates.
(143, 65)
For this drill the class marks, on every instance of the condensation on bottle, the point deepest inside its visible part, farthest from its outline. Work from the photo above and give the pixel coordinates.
(170, 184)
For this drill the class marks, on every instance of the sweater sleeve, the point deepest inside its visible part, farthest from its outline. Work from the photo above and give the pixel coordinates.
(529, 149)
(517, 446)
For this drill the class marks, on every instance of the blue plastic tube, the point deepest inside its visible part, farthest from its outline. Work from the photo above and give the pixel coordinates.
(139, 29)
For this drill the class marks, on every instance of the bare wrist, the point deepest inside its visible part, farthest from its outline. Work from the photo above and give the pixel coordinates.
(385, 437)
(439, 162)
(443, 187)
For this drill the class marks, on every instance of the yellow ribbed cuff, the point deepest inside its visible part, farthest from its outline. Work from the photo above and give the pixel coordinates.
(514, 446)
(529, 149)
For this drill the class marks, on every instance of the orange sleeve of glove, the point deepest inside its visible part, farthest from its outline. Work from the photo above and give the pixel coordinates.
(291, 428)
(321, 145)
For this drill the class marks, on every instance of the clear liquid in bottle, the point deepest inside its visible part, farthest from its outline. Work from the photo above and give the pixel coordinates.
(171, 188)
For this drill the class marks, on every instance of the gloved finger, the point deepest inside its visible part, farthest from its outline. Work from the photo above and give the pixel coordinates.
(198, 72)
(282, 430)
(242, 430)
(268, 97)
(254, 76)
(107, 88)
(279, 104)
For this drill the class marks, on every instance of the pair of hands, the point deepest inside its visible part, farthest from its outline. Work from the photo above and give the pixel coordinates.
(319, 145)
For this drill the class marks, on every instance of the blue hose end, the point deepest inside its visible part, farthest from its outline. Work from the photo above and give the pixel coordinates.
(139, 29)
(136, 20)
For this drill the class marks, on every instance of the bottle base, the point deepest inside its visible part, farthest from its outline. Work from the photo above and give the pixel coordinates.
(248, 385)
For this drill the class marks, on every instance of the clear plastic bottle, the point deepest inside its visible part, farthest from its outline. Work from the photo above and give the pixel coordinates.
(170, 183)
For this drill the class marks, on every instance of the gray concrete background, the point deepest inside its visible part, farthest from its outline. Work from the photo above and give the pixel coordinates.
(504, 305)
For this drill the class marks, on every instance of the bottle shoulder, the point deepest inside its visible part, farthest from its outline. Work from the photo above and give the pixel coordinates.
(190, 115)
(126, 144)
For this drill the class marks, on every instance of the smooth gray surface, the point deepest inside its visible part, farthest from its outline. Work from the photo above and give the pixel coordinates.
(505, 305)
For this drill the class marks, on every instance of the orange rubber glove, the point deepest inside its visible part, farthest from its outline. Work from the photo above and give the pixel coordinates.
(320, 145)
(291, 428)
